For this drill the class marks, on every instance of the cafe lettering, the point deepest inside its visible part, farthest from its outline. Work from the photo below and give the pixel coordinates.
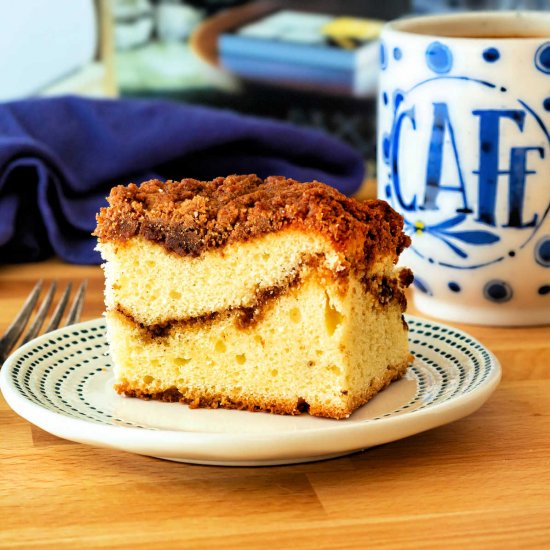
(489, 174)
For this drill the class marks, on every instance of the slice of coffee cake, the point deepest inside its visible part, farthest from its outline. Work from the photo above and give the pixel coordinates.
(265, 295)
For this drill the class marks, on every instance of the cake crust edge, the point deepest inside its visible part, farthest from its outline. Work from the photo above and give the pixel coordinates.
(199, 399)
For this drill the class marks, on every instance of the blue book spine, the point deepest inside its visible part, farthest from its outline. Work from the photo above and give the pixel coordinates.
(289, 52)
(276, 70)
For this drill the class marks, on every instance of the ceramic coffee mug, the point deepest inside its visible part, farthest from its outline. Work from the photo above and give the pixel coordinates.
(464, 156)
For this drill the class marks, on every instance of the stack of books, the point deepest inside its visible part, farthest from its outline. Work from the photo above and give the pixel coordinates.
(327, 52)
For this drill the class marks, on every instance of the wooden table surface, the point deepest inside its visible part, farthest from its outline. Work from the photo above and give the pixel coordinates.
(481, 482)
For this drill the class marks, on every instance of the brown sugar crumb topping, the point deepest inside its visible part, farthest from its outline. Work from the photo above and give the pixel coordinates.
(189, 216)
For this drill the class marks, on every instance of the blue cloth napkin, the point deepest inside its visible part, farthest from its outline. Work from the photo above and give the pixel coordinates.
(59, 158)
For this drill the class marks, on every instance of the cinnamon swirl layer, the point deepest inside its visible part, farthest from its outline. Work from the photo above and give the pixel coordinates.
(155, 286)
(311, 348)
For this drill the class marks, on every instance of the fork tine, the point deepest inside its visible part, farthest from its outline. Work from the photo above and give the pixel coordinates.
(58, 313)
(18, 324)
(76, 308)
(40, 315)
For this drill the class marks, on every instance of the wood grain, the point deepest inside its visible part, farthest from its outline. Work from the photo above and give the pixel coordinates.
(481, 482)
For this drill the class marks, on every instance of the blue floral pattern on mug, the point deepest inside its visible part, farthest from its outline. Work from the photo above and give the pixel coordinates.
(464, 156)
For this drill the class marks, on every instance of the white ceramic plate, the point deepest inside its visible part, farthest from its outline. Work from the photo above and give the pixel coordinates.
(62, 382)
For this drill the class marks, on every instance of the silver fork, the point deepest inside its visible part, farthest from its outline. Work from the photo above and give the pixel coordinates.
(9, 340)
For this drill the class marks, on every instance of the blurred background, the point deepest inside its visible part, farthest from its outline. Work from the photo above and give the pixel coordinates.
(313, 63)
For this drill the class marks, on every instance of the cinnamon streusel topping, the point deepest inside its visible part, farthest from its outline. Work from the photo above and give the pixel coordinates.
(189, 216)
